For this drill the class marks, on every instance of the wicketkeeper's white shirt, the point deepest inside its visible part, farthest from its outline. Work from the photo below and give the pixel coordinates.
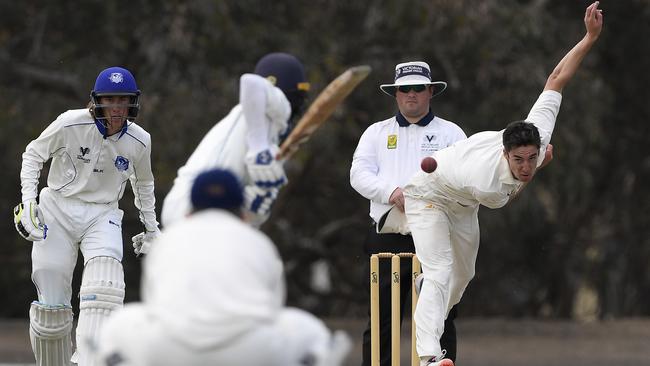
(388, 155)
(90, 167)
(212, 277)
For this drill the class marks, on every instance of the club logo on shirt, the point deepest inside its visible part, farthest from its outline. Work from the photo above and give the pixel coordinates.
(392, 142)
(84, 151)
(121, 163)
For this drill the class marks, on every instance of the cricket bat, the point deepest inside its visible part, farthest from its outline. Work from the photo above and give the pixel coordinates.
(322, 107)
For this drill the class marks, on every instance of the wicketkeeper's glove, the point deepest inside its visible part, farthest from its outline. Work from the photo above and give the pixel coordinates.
(142, 242)
(264, 170)
(29, 221)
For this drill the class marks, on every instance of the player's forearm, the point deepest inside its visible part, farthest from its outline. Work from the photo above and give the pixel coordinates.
(252, 98)
(145, 202)
(143, 192)
(569, 64)
(29, 175)
(567, 67)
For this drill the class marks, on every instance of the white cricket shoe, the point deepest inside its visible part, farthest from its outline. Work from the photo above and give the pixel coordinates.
(436, 361)
(432, 362)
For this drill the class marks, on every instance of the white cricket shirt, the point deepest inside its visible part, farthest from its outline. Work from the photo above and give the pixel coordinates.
(389, 153)
(90, 167)
(212, 277)
(475, 171)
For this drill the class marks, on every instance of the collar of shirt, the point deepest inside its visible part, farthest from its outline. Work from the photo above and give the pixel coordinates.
(403, 122)
(103, 130)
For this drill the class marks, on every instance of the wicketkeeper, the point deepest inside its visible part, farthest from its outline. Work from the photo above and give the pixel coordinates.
(213, 293)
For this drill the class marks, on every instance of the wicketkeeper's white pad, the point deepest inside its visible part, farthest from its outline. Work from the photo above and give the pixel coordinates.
(50, 328)
(102, 292)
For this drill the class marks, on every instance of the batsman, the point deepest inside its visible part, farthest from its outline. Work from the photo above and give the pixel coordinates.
(246, 140)
(489, 168)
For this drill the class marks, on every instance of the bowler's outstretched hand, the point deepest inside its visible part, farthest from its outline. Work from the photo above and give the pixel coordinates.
(593, 20)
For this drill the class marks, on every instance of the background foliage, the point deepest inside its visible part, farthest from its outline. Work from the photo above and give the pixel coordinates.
(576, 244)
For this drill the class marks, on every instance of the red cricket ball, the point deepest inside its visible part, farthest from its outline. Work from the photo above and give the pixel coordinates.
(429, 164)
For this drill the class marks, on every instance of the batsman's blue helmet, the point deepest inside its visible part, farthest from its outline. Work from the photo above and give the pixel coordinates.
(217, 188)
(115, 81)
(284, 70)
(287, 73)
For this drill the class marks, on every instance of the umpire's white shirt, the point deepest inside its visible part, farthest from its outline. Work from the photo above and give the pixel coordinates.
(211, 278)
(389, 153)
(90, 167)
(475, 171)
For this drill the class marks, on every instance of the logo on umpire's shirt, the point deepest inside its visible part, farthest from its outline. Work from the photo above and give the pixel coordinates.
(121, 163)
(392, 142)
(429, 144)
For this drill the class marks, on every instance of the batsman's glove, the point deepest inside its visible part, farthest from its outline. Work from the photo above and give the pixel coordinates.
(29, 221)
(259, 200)
(142, 242)
(264, 170)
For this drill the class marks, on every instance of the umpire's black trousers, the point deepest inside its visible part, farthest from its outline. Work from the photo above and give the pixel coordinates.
(396, 243)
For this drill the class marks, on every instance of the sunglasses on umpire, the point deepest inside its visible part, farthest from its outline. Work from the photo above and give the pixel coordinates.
(416, 88)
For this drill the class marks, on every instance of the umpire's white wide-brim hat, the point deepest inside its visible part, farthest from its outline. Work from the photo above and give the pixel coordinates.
(413, 73)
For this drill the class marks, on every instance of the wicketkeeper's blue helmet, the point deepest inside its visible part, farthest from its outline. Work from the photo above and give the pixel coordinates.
(217, 188)
(116, 81)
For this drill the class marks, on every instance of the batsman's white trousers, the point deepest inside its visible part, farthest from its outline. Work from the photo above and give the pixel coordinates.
(136, 337)
(446, 237)
(72, 224)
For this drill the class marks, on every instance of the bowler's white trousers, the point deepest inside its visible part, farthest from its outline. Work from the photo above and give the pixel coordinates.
(446, 237)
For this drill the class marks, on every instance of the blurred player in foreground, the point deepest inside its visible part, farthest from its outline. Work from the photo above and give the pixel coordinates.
(213, 294)
(246, 140)
(489, 168)
(94, 152)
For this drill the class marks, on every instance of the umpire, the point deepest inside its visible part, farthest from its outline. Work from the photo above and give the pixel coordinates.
(388, 154)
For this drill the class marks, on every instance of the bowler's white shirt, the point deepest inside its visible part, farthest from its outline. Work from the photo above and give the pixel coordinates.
(211, 277)
(388, 155)
(89, 167)
(475, 171)
(226, 144)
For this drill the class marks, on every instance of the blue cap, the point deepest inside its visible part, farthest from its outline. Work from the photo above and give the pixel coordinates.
(115, 81)
(217, 188)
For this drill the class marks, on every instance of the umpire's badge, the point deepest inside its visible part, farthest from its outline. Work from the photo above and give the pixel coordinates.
(121, 163)
(392, 142)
